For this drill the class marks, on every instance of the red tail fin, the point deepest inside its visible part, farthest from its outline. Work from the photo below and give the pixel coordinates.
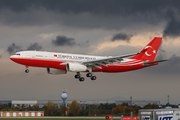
(149, 52)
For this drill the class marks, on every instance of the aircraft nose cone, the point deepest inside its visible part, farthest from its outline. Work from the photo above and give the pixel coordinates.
(12, 57)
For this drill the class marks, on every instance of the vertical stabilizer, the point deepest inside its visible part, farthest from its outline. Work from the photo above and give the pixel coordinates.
(149, 51)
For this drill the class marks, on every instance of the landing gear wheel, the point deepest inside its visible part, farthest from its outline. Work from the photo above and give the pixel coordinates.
(89, 74)
(27, 71)
(93, 78)
(81, 79)
(77, 76)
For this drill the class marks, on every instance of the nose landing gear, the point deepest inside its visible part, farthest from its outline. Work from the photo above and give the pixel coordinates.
(27, 70)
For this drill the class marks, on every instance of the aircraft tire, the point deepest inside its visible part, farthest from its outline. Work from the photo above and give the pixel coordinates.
(93, 78)
(77, 76)
(81, 79)
(27, 71)
(89, 75)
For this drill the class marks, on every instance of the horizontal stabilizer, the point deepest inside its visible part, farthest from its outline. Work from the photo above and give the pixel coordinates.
(149, 63)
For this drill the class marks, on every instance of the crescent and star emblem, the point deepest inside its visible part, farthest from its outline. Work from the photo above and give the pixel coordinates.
(150, 52)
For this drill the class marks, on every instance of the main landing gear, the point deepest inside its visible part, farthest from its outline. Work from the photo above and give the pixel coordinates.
(91, 76)
(81, 79)
(27, 70)
(78, 76)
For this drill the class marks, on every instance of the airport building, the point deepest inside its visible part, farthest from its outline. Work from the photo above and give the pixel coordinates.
(140, 103)
(82, 103)
(25, 104)
(21, 113)
(159, 114)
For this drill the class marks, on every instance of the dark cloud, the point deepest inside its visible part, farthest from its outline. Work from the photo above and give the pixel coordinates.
(161, 54)
(92, 6)
(172, 66)
(34, 46)
(103, 10)
(84, 44)
(13, 48)
(172, 28)
(104, 14)
(174, 60)
(63, 41)
(121, 36)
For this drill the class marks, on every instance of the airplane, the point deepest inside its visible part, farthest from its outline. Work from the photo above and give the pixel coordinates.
(61, 63)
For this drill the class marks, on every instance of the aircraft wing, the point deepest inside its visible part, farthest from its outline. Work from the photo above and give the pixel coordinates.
(109, 60)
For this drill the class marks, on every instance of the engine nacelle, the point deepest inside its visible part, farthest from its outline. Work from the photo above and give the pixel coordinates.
(76, 67)
(55, 71)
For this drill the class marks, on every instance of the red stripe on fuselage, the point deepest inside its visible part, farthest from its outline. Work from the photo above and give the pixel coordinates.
(118, 67)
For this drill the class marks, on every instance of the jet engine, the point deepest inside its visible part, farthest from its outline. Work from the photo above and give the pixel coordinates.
(55, 71)
(76, 67)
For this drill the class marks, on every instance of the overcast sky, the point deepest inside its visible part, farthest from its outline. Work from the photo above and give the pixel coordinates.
(94, 27)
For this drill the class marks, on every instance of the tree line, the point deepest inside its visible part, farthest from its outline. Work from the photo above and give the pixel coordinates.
(52, 109)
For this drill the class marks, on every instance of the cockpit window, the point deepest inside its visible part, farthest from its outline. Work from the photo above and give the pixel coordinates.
(17, 54)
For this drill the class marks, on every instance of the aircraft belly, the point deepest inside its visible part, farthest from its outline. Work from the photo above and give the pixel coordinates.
(122, 68)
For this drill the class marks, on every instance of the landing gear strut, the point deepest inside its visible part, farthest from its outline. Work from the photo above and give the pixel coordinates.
(27, 70)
